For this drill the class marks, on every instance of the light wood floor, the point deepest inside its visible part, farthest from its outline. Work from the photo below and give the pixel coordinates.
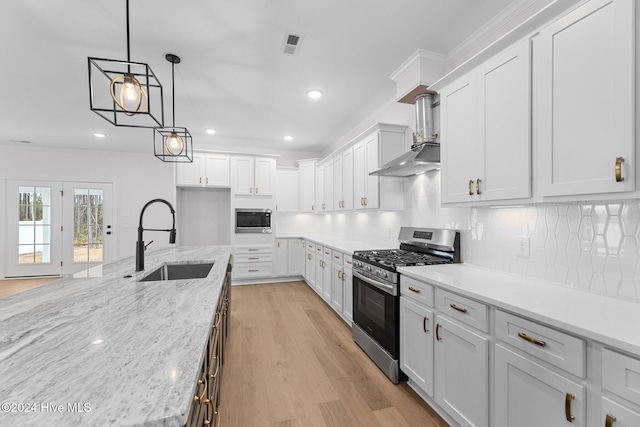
(291, 361)
(13, 286)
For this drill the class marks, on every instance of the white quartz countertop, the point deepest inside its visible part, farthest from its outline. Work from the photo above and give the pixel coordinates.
(610, 321)
(144, 370)
(341, 244)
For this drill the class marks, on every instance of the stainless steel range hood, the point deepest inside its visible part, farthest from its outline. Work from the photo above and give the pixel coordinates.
(425, 152)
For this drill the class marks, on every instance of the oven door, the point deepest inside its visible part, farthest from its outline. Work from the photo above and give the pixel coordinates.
(376, 311)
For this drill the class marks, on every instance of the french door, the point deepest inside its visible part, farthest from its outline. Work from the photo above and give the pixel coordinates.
(57, 228)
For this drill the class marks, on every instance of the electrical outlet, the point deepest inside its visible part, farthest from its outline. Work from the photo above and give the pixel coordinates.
(523, 248)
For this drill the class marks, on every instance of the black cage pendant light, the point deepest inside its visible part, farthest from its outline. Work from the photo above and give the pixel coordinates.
(125, 93)
(173, 144)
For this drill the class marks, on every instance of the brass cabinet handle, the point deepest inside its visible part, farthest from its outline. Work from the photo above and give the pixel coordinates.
(348, 262)
(200, 180)
(568, 399)
(278, 244)
(531, 340)
(339, 274)
(214, 413)
(256, 190)
(251, 258)
(412, 289)
(200, 398)
(312, 207)
(619, 161)
(254, 250)
(365, 201)
(438, 331)
(207, 180)
(460, 309)
(251, 190)
(609, 421)
(215, 374)
(470, 187)
(425, 319)
(361, 203)
(309, 257)
(336, 257)
(253, 271)
(217, 322)
(478, 181)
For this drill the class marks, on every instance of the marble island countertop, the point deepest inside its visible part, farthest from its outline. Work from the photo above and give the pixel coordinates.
(108, 350)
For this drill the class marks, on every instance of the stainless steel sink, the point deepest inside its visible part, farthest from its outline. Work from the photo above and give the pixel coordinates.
(178, 271)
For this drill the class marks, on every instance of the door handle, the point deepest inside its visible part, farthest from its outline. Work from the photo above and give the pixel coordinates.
(438, 331)
(618, 169)
(478, 181)
(470, 187)
(425, 319)
(609, 421)
(568, 399)
(256, 190)
(531, 340)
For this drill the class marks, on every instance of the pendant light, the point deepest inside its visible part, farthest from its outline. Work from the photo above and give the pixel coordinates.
(125, 93)
(173, 144)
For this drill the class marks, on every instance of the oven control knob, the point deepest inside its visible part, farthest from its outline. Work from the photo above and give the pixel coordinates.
(368, 268)
(384, 274)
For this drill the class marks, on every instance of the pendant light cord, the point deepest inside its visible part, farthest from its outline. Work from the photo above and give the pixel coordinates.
(128, 44)
(173, 93)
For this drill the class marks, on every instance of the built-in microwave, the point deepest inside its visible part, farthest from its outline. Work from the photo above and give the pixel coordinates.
(253, 220)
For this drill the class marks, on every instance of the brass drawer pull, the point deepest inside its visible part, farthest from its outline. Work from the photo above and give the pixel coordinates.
(609, 421)
(460, 309)
(200, 180)
(200, 398)
(340, 275)
(254, 250)
(470, 187)
(215, 374)
(438, 331)
(365, 201)
(336, 257)
(217, 322)
(207, 180)
(253, 271)
(253, 258)
(478, 181)
(412, 289)
(568, 399)
(531, 340)
(348, 262)
(251, 190)
(425, 319)
(619, 161)
(256, 190)
(309, 257)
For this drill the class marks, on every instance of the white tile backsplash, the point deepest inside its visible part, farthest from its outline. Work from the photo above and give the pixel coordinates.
(591, 246)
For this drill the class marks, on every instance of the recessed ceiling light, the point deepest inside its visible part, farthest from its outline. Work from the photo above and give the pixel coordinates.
(288, 138)
(98, 341)
(210, 131)
(99, 135)
(314, 94)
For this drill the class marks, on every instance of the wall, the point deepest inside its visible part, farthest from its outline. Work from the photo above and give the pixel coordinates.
(204, 217)
(136, 178)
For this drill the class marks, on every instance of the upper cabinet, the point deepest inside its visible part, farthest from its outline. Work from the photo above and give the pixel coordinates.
(377, 147)
(253, 176)
(324, 186)
(207, 169)
(307, 186)
(286, 190)
(343, 180)
(485, 126)
(584, 65)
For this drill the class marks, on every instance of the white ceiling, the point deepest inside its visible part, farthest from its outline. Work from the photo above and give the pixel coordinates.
(233, 76)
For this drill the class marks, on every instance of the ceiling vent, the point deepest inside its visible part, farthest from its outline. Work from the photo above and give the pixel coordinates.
(291, 43)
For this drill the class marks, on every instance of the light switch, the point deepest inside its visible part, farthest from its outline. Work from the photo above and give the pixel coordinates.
(523, 246)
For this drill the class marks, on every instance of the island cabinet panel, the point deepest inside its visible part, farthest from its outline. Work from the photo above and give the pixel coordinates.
(204, 409)
(586, 138)
(530, 395)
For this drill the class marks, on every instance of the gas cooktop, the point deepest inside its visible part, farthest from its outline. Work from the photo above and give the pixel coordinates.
(394, 258)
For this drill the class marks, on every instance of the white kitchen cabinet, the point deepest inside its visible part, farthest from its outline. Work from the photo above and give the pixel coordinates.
(253, 176)
(286, 190)
(347, 304)
(327, 281)
(307, 186)
(485, 126)
(343, 181)
(416, 343)
(337, 287)
(295, 257)
(382, 144)
(310, 267)
(280, 269)
(616, 415)
(528, 394)
(207, 169)
(328, 186)
(252, 261)
(319, 202)
(584, 68)
(462, 374)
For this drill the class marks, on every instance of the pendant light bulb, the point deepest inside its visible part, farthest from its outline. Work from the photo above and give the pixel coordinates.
(129, 90)
(130, 94)
(174, 144)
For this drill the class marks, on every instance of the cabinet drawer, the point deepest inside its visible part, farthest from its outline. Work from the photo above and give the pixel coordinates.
(310, 245)
(470, 312)
(348, 260)
(557, 348)
(253, 258)
(255, 249)
(319, 250)
(420, 292)
(621, 416)
(337, 257)
(249, 271)
(621, 375)
(326, 252)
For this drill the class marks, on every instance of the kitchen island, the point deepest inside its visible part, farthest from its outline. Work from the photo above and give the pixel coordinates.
(109, 350)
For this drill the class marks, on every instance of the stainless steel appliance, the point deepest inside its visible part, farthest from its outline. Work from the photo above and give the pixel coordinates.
(376, 291)
(253, 220)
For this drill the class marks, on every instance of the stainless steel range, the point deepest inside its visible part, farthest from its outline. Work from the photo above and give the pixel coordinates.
(376, 290)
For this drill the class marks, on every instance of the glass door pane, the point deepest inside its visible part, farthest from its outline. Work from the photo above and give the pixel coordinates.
(34, 225)
(88, 226)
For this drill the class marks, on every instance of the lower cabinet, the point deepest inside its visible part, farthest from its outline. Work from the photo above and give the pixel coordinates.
(416, 344)
(347, 282)
(310, 267)
(289, 258)
(462, 374)
(253, 261)
(616, 415)
(337, 285)
(528, 394)
(204, 409)
(327, 281)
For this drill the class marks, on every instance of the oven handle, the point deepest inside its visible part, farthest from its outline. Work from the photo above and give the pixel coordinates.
(389, 289)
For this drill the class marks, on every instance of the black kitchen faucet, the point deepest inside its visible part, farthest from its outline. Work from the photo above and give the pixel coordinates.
(140, 246)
